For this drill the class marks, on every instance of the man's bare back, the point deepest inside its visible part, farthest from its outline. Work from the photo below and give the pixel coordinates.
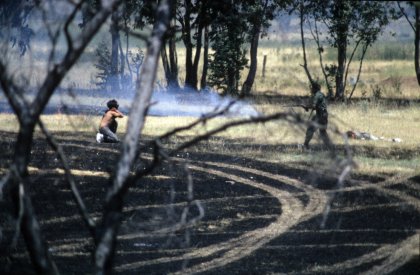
(108, 125)
(109, 117)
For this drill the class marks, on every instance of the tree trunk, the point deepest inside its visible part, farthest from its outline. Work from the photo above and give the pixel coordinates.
(173, 62)
(115, 40)
(246, 87)
(203, 83)
(341, 59)
(194, 71)
(416, 45)
(342, 32)
(165, 64)
(107, 233)
(170, 65)
(186, 37)
(302, 37)
(231, 70)
(22, 203)
(28, 115)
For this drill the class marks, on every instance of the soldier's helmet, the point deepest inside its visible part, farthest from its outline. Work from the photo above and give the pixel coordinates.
(315, 87)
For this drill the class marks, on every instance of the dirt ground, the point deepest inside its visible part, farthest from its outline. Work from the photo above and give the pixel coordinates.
(259, 217)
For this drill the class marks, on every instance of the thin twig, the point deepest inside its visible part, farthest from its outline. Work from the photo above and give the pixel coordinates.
(201, 120)
(20, 215)
(259, 119)
(69, 177)
(305, 62)
(406, 17)
(3, 182)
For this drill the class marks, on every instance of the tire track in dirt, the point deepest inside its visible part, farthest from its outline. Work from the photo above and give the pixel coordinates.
(382, 187)
(293, 212)
(393, 256)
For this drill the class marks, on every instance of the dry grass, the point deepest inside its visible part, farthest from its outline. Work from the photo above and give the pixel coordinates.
(283, 73)
(376, 119)
(283, 76)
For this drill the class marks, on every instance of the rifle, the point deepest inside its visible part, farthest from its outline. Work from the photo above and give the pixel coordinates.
(303, 106)
(296, 105)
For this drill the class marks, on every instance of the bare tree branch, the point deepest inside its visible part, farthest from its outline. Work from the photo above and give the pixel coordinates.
(52, 35)
(305, 62)
(67, 24)
(28, 116)
(69, 177)
(365, 47)
(350, 60)
(13, 93)
(406, 16)
(113, 206)
(260, 119)
(20, 216)
(141, 36)
(201, 120)
(158, 148)
(55, 75)
(29, 225)
(315, 35)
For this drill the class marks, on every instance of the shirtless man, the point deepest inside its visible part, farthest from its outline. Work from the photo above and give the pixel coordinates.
(108, 126)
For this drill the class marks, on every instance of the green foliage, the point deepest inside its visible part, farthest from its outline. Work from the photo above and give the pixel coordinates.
(228, 37)
(349, 26)
(136, 58)
(13, 22)
(103, 65)
(105, 77)
(331, 71)
(227, 62)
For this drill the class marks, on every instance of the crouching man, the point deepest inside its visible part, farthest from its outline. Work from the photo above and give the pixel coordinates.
(108, 126)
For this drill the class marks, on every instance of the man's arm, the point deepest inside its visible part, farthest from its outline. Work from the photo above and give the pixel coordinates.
(117, 113)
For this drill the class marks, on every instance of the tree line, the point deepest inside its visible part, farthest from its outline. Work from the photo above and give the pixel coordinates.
(219, 30)
(223, 37)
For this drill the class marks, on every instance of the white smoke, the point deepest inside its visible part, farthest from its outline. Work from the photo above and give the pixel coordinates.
(196, 104)
(165, 102)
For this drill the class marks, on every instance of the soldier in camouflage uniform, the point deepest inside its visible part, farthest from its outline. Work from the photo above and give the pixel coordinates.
(320, 120)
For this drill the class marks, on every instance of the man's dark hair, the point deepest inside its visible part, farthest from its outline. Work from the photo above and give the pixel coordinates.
(112, 104)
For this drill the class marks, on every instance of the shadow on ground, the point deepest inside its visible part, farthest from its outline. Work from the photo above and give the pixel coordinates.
(260, 217)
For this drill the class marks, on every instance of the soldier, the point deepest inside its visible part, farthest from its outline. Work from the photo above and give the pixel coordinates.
(108, 126)
(320, 120)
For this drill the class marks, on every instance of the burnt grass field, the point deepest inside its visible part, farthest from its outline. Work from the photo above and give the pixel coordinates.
(259, 217)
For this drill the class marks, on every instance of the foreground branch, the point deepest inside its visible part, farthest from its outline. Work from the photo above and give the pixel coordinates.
(69, 177)
(260, 119)
(107, 233)
(305, 62)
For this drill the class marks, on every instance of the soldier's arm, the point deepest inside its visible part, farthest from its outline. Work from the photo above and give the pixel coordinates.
(314, 102)
(308, 107)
